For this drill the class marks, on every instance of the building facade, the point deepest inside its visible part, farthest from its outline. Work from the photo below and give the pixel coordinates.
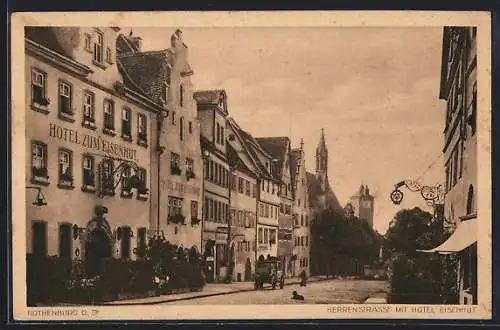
(212, 114)
(362, 203)
(301, 213)
(87, 141)
(458, 89)
(279, 148)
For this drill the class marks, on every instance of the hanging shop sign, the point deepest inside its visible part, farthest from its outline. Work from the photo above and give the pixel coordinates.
(97, 143)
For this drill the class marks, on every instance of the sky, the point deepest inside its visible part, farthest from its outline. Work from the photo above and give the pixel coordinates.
(373, 90)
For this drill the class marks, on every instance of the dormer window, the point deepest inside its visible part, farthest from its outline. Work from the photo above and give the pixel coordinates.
(88, 42)
(98, 47)
(109, 57)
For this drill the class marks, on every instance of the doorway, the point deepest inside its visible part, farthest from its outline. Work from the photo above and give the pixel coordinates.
(97, 248)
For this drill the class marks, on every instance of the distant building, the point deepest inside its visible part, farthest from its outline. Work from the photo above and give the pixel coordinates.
(301, 213)
(362, 204)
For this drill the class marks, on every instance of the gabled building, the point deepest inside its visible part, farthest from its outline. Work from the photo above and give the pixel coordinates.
(164, 76)
(301, 213)
(279, 148)
(88, 141)
(212, 114)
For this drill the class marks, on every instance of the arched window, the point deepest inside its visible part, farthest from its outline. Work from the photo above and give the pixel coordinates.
(470, 200)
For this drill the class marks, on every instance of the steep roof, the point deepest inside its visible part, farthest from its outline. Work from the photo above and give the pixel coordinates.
(49, 38)
(233, 158)
(145, 72)
(315, 191)
(127, 44)
(277, 148)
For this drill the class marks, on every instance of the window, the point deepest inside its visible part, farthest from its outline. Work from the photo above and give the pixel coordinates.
(38, 80)
(142, 129)
(247, 188)
(266, 235)
(39, 161)
(181, 128)
(181, 95)
(222, 135)
(194, 210)
(190, 127)
(88, 109)
(261, 240)
(65, 238)
(174, 164)
(174, 207)
(109, 116)
(125, 242)
(65, 98)
(254, 190)
(472, 117)
(217, 136)
(65, 168)
(88, 171)
(211, 171)
(241, 185)
(189, 168)
(206, 210)
(39, 238)
(301, 219)
(126, 174)
(307, 221)
(126, 125)
(298, 202)
(211, 208)
(109, 56)
(272, 236)
(455, 167)
(470, 200)
(307, 240)
(174, 120)
(88, 42)
(98, 47)
(142, 175)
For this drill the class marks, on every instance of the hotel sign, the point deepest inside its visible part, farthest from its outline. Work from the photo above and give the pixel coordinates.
(97, 143)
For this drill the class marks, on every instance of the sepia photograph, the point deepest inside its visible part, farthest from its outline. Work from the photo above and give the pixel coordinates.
(272, 169)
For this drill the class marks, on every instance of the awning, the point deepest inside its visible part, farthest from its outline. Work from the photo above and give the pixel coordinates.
(464, 236)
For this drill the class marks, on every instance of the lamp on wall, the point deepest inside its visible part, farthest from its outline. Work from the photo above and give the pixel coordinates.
(40, 199)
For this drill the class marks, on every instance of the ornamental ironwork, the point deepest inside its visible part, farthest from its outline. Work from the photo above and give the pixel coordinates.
(431, 194)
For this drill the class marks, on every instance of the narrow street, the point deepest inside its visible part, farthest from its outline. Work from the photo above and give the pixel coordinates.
(325, 292)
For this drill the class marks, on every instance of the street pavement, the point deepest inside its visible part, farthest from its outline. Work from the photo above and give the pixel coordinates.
(321, 292)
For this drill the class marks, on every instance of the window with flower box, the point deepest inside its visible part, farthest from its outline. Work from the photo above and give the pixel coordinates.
(109, 118)
(65, 169)
(142, 130)
(142, 190)
(126, 124)
(88, 110)
(39, 101)
(175, 168)
(39, 172)
(125, 182)
(189, 169)
(65, 101)
(88, 174)
(175, 210)
(107, 178)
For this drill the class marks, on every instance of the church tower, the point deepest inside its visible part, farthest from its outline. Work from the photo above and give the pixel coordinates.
(322, 162)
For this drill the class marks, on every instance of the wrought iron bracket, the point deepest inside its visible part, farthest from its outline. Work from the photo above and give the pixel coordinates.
(431, 194)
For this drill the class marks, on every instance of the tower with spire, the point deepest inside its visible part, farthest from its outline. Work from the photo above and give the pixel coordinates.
(322, 162)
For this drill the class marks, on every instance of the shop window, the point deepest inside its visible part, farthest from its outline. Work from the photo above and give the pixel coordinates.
(88, 109)
(142, 130)
(88, 172)
(65, 99)
(65, 238)
(39, 172)
(38, 88)
(125, 242)
(175, 168)
(39, 238)
(109, 117)
(65, 168)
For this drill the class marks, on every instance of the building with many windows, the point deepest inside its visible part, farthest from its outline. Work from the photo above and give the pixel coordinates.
(176, 162)
(459, 90)
(88, 144)
(279, 148)
(301, 213)
(212, 114)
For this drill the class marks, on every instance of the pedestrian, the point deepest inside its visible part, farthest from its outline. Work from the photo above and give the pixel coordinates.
(303, 278)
